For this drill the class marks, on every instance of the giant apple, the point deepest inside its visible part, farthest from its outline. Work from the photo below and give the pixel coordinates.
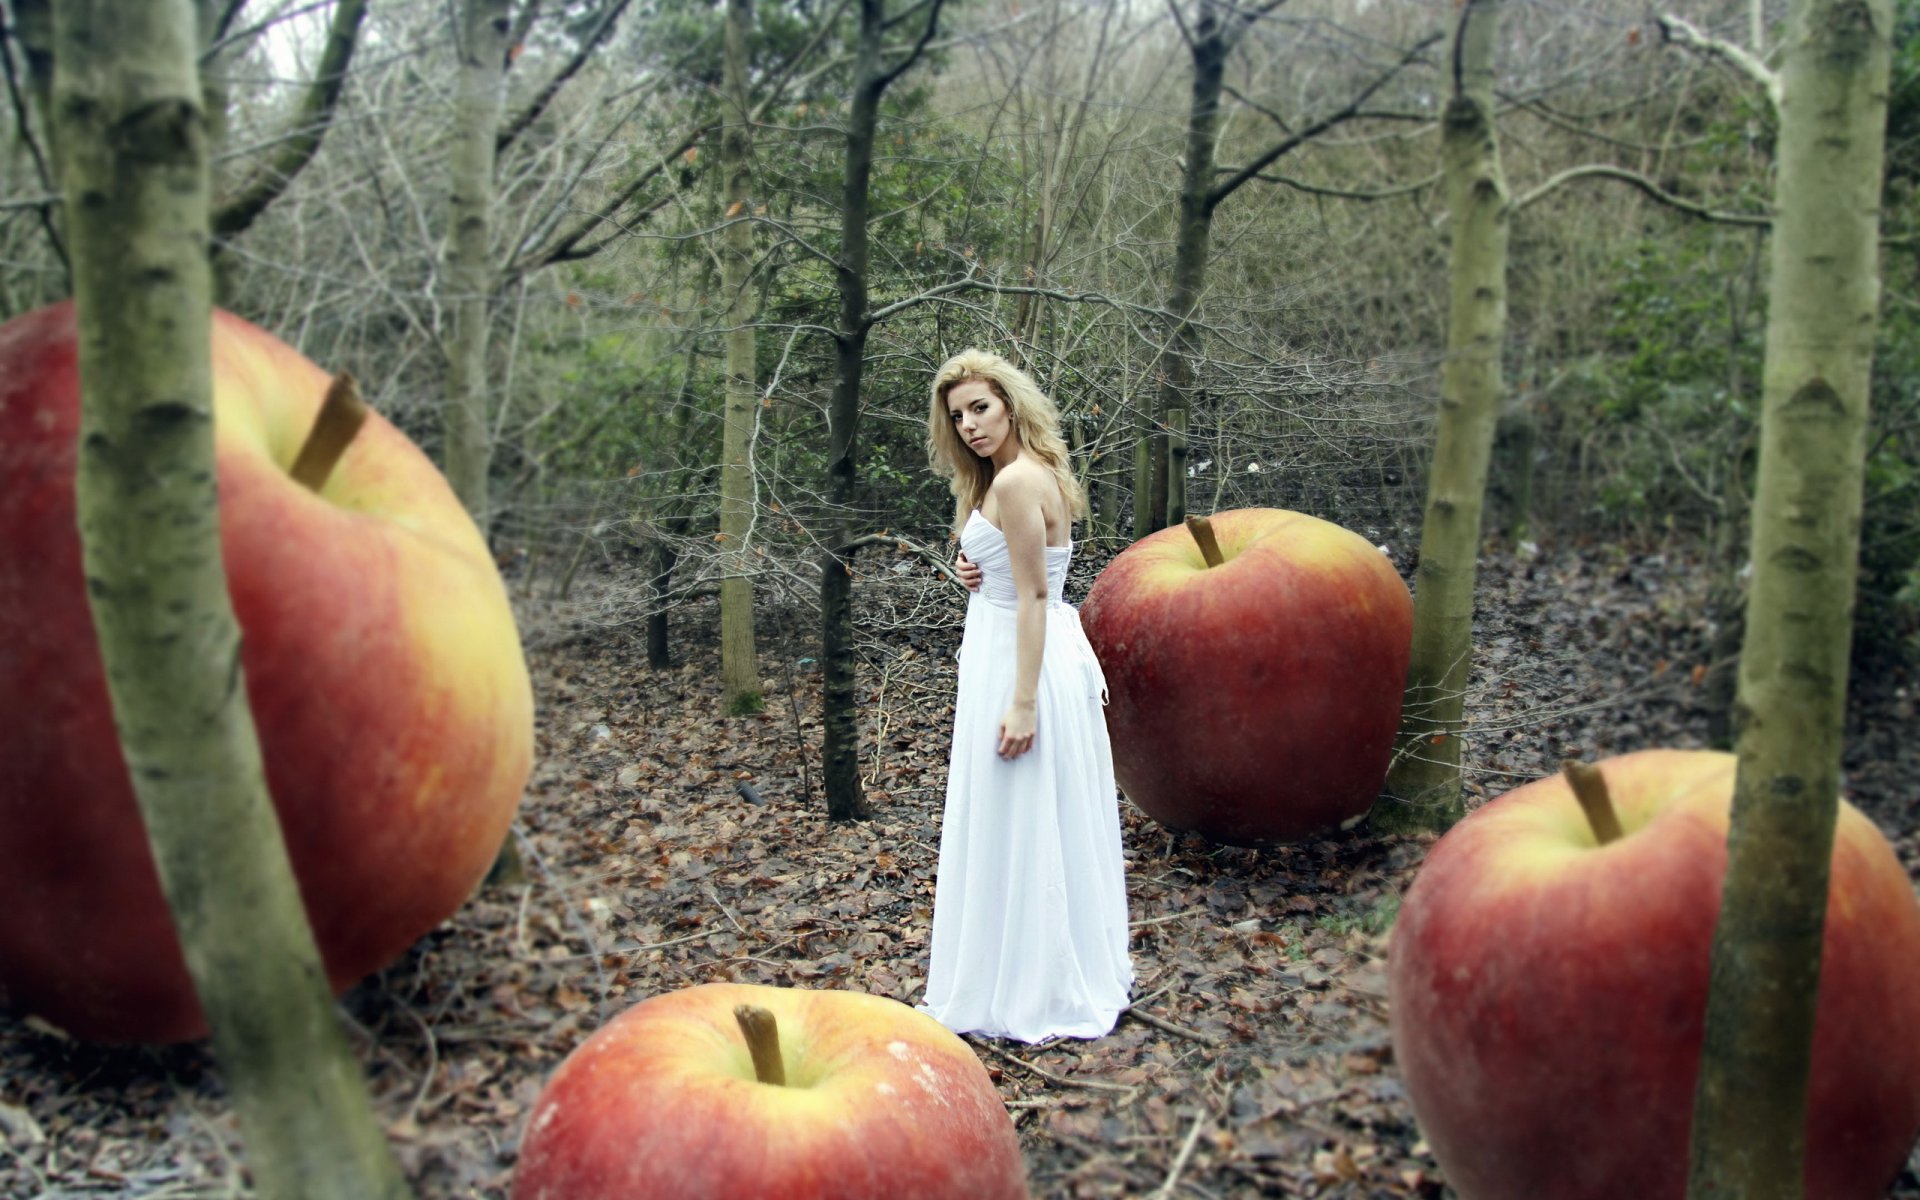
(1548, 992)
(381, 662)
(1255, 700)
(726, 1090)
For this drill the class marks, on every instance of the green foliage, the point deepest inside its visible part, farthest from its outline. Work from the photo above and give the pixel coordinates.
(1887, 614)
(1887, 621)
(1372, 921)
(1668, 406)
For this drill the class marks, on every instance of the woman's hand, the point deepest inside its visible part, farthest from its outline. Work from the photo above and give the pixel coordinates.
(968, 571)
(1017, 729)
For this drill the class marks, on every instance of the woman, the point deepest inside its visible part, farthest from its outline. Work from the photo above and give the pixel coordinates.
(1030, 907)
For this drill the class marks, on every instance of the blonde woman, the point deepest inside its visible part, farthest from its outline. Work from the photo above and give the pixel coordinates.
(1030, 906)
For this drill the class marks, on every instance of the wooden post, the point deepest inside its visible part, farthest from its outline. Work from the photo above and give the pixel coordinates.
(1177, 465)
(1142, 475)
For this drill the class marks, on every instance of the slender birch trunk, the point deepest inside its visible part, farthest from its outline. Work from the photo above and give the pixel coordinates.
(739, 670)
(1750, 1106)
(481, 39)
(1425, 780)
(127, 98)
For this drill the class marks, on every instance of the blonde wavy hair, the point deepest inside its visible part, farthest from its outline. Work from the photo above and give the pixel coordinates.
(1036, 422)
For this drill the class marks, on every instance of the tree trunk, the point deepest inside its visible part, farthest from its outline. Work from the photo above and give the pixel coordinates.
(1750, 1106)
(1193, 243)
(1516, 439)
(659, 648)
(839, 722)
(149, 525)
(1100, 495)
(839, 714)
(305, 130)
(739, 671)
(481, 40)
(1425, 780)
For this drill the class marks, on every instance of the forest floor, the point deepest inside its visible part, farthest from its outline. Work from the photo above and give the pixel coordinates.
(1255, 1061)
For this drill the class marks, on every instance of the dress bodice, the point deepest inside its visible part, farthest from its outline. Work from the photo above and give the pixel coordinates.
(986, 546)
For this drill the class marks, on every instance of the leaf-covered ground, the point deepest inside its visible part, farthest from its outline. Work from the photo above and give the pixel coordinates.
(669, 844)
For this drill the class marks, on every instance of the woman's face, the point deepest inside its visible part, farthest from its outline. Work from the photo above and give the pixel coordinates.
(981, 418)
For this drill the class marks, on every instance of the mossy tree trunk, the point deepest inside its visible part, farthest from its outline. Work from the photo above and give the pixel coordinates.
(127, 101)
(739, 668)
(1424, 785)
(481, 42)
(1750, 1106)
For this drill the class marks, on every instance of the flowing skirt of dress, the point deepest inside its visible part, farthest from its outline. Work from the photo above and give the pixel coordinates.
(1030, 905)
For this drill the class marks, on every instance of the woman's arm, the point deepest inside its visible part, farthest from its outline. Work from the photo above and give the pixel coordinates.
(1018, 496)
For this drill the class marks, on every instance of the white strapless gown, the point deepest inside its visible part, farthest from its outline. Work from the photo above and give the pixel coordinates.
(1030, 906)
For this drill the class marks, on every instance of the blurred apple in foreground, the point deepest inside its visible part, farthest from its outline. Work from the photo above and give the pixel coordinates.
(1255, 700)
(381, 661)
(837, 1096)
(1548, 993)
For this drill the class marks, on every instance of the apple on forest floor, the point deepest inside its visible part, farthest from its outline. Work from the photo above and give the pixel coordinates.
(1254, 699)
(1547, 991)
(739, 1090)
(381, 662)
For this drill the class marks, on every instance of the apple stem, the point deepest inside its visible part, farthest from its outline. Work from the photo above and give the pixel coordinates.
(1590, 789)
(1202, 531)
(342, 414)
(763, 1042)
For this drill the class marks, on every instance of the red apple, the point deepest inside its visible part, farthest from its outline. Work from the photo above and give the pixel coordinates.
(381, 662)
(1257, 700)
(1548, 993)
(879, 1102)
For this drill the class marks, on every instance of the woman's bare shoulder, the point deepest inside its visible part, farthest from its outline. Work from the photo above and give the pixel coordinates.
(1020, 481)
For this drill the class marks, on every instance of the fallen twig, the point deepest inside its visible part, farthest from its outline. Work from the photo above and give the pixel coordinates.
(1062, 1080)
(1180, 1160)
(1161, 1023)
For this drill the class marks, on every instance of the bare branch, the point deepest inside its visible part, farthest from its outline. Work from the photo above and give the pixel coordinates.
(778, 78)
(1652, 189)
(223, 34)
(1578, 129)
(1678, 31)
(531, 113)
(1386, 193)
(311, 123)
(885, 78)
(877, 315)
(23, 122)
(907, 545)
(1286, 145)
(567, 246)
